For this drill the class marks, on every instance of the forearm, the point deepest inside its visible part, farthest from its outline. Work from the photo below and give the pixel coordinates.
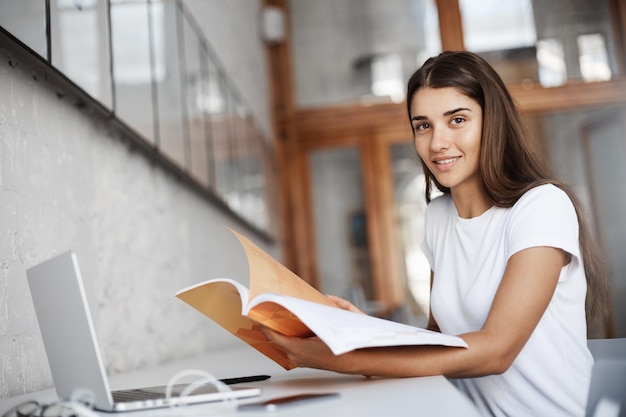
(487, 353)
(482, 357)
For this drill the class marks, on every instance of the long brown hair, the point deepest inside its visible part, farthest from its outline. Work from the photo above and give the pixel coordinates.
(508, 164)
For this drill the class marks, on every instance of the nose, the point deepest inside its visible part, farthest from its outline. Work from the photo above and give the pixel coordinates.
(440, 140)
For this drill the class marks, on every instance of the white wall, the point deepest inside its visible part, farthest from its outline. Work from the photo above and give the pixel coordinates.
(68, 181)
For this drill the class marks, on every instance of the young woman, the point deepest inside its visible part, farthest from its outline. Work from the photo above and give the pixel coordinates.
(511, 257)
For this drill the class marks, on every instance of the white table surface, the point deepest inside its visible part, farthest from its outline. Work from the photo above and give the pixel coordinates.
(358, 396)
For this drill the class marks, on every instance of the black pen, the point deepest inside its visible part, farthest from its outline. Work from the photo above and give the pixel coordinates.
(243, 379)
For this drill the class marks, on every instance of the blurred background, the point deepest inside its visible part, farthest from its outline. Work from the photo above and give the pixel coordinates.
(284, 119)
(564, 63)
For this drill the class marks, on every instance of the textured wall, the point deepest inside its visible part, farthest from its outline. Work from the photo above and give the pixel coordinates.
(67, 181)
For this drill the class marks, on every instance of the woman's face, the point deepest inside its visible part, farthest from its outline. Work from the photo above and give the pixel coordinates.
(448, 131)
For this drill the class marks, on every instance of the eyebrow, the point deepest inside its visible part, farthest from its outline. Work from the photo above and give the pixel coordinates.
(451, 112)
(448, 113)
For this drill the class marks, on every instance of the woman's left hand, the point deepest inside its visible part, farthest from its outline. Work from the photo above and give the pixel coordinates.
(309, 352)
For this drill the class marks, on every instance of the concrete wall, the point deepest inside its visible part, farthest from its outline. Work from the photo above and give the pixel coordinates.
(69, 181)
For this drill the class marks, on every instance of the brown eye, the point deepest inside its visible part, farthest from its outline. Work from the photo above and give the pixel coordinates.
(457, 120)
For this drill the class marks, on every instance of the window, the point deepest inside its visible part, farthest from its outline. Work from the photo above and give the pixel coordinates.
(373, 46)
(26, 20)
(550, 43)
(155, 75)
(551, 60)
(593, 58)
(80, 48)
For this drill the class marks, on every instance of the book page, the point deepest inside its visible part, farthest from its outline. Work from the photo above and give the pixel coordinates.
(344, 331)
(221, 301)
(267, 275)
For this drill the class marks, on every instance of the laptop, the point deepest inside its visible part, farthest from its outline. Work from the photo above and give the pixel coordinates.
(73, 354)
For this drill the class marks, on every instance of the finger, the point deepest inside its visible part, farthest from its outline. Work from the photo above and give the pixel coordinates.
(275, 337)
(270, 334)
(344, 304)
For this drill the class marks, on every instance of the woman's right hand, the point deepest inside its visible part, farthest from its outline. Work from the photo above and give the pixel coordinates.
(344, 304)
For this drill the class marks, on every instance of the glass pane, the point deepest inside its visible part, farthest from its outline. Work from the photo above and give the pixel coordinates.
(213, 104)
(217, 105)
(80, 45)
(246, 149)
(592, 57)
(586, 149)
(373, 45)
(237, 157)
(26, 20)
(410, 206)
(270, 192)
(202, 97)
(132, 69)
(530, 41)
(340, 226)
(512, 21)
(170, 106)
(254, 188)
(243, 151)
(227, 151)
(551, 62)
(195, 114)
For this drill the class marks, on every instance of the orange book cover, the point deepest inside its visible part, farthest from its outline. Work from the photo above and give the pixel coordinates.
(225, 301)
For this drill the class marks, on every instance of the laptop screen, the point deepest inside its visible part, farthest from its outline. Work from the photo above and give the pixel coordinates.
(67, 329)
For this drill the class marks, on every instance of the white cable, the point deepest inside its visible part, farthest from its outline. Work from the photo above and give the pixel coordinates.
(203, 379)
(80, 402)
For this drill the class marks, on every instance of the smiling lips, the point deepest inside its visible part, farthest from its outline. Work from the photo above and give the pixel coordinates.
(445, 161)
(445, 164)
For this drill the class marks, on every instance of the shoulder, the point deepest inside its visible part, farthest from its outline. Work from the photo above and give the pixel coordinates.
(545, 190)
(544, 210)
(546, 197)
(544, 216)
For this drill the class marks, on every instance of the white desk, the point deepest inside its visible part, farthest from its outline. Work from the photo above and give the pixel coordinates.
(359, 396)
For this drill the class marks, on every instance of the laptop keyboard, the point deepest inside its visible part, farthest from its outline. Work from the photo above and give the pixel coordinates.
(135, 395)
(155, 393)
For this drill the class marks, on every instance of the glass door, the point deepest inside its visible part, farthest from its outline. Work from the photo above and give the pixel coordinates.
(366, 221)
(340, 226)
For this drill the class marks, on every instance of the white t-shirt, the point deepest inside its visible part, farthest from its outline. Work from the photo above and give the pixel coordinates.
(551, 375)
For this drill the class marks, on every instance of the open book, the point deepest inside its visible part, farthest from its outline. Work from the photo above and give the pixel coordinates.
(282, 301)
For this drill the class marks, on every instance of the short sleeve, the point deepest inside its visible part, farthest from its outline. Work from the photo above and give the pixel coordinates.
(544, 216)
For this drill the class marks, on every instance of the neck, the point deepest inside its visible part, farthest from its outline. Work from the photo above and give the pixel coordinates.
(470, 202)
